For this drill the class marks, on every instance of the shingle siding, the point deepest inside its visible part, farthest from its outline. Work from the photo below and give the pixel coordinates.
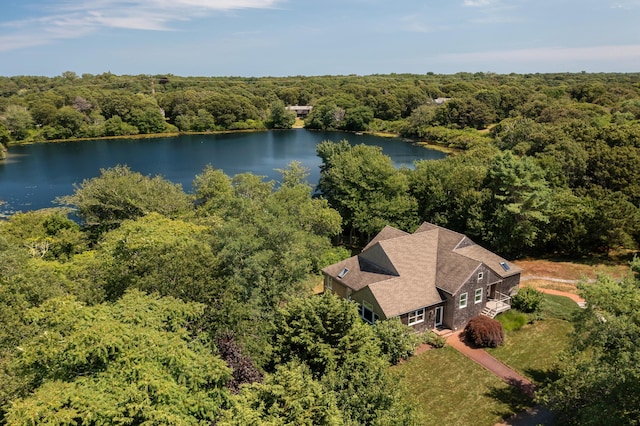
(399, 273)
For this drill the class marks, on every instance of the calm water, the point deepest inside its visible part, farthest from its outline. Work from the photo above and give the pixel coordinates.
(34, 175)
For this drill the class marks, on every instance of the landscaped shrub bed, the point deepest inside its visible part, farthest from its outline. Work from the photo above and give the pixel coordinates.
(433, 340)
(484, 332)
(528, 300)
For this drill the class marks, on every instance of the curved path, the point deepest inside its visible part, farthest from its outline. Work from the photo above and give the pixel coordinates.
(483, 358)
(537, 415)
(579, 300)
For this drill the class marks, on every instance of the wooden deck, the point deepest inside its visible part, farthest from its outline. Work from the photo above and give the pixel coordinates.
(495, 306)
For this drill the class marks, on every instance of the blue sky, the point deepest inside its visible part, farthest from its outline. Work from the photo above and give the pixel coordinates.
(317, 37)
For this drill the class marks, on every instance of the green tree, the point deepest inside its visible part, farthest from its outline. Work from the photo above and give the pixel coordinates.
(599, 378)
(280, 117)
(17, 119)
(289, 396)
(114, 126)
(325, 117)
(203, 122)
(326, 334)
(142, 254)
(358, 118)
(132, 362)
(449, 192)
(517, 211)
(70, 121)
(397, 341)
(365, 187)
(118, 194)
(46, 234)
(267, 242)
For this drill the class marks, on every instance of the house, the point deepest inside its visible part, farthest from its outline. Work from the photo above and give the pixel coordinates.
(301, 110)
(433, 278)
(440, 101)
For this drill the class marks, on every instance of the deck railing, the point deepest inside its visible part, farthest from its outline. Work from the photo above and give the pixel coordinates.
(495, 305)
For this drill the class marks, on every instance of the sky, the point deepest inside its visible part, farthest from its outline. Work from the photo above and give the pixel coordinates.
(255, 38)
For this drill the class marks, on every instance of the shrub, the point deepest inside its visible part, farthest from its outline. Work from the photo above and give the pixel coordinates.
(512, 320)
(433, 340)
(484, 332)
(244, 369)
(396, 340)
(528, 300)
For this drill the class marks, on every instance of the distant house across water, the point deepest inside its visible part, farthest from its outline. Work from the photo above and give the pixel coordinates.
(301, 110)
(440, 101)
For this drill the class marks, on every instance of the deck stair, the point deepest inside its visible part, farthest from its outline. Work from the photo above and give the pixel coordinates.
(501, 303)
(488, 312)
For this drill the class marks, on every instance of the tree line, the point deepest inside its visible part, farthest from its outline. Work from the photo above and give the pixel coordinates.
(516, 205)
(163, 307)
(430, 106)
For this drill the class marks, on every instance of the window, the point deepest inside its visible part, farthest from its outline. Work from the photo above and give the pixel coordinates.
(416, 317)
(478, 298)
(367, 313)
(328, 282)
(480, 276)
(343, 273)
(505, 266)
(463, 301)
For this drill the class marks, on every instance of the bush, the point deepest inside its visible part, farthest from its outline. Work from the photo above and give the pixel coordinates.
(528, 300)
(512, 320)
(433, 340)
(484, 332)
(396, 340)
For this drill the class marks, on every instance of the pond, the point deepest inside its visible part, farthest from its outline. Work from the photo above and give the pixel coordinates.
(34, 175)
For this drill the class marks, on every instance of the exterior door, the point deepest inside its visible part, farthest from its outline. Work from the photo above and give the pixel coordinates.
(439, 312)
(491, 291)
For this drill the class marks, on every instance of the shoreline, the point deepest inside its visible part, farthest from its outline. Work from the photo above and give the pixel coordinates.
(422, 143)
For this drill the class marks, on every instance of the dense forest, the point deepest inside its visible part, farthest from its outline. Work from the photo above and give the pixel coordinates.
(159, 306)
(549, 163)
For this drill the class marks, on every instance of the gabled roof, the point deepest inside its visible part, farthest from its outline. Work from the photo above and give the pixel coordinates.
(405, 271)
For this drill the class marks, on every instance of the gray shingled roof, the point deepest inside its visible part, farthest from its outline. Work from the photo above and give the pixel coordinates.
(404, 271)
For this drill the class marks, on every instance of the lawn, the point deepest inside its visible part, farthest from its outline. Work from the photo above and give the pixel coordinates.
(450, 389)
(533, 349)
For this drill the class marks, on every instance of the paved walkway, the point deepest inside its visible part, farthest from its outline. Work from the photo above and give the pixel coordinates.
(483, 358)
(537, 415)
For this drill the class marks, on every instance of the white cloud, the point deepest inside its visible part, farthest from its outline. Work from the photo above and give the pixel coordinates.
(73, 19)
(550, 54)
(478, 3)
(625, 4)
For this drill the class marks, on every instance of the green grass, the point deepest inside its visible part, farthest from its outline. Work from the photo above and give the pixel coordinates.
(450, 389)
(559, 307)
(512, 320)
(533, 349)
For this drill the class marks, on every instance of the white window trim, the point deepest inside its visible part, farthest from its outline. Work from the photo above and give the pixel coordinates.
(479, 292)
(416, 317)
(368, 306)
(480, 276)
(328, 282)
(463, 297)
